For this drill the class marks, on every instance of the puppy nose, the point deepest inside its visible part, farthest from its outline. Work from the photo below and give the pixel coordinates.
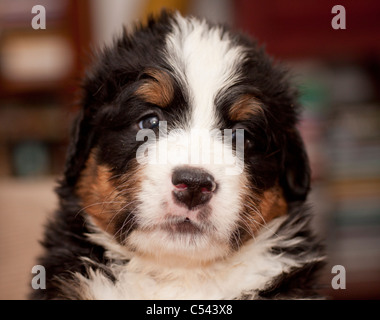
(193, 187)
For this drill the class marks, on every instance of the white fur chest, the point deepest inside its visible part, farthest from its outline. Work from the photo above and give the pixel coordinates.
(249, 269)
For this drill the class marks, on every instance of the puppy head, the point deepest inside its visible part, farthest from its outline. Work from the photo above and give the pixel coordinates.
(186, 145)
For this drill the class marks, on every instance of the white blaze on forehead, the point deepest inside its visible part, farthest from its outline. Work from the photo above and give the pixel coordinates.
(206, 62)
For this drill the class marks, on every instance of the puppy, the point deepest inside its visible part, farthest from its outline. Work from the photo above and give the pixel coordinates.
(186, 177)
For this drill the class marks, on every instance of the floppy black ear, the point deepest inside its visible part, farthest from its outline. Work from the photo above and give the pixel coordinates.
(82, 138)
(295, 179)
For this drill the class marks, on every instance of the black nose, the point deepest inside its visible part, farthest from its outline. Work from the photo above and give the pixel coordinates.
(192, 187)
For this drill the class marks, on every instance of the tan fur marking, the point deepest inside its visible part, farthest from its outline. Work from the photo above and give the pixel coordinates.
(158, 90)
(244, 108)
(104, 196)
(260, 210)
(273, 204)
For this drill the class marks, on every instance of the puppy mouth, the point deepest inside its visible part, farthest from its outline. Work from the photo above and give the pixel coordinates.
(182, 225)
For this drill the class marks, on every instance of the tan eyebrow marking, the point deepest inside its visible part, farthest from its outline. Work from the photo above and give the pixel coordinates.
(245, 107)
(158, 89)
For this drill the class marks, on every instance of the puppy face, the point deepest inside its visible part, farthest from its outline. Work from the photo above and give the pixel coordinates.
(195, 81)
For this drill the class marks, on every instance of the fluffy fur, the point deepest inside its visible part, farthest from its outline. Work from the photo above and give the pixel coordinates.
(129, 229)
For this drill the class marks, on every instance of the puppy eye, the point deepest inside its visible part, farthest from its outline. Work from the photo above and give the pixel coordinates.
(149, 122)
(248, 142)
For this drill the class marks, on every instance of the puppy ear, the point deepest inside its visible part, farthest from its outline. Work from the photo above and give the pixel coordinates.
(295, 179)
(82, 138)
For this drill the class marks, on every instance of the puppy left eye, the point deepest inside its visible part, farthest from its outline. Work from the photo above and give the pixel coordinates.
(149, 122)
(248, 142)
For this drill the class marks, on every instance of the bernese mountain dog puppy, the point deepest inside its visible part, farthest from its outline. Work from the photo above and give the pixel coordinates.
(186, 177)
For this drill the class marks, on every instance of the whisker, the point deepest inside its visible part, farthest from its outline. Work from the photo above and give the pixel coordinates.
(247, 227)
(265, 226)
(257, 211)
(120, 210)
(95, 204)
(127, 220)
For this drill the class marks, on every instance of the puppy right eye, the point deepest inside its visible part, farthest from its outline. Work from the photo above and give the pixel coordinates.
(150, 122)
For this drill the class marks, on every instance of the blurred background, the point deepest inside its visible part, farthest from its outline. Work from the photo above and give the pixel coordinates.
(337, 73)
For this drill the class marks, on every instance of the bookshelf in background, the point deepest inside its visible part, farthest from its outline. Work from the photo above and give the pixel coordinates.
(39, 72)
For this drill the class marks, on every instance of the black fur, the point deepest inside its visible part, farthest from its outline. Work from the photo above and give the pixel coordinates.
(298, 282)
